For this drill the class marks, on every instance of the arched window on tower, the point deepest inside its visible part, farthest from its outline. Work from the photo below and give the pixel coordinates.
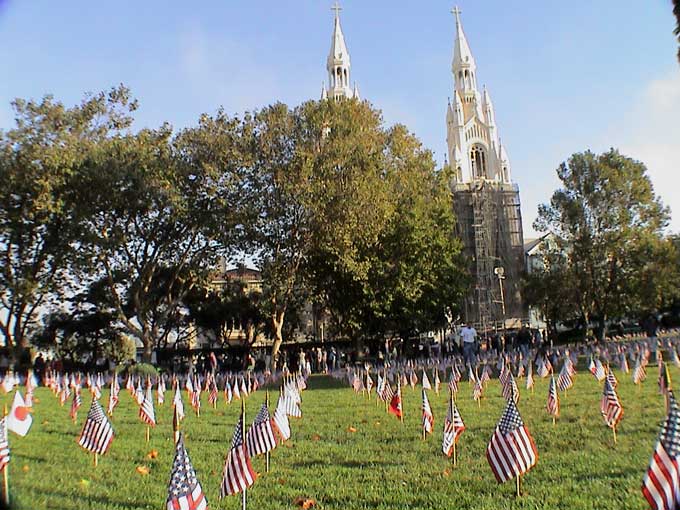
(478, 162)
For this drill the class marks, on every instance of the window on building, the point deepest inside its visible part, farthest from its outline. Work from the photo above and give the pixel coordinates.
(478, 161)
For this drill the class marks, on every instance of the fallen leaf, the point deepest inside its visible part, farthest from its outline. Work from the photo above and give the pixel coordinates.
(143, 470)
(304, 503)
(282, 481)
(84, 483)
(446, 472)
(36, 400)
(25, 468)
(377, 423)
(152, 454)
(351, 429)
(45, 422)
(316, 437)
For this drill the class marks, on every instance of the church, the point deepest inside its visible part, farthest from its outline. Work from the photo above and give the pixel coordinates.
(485, 199)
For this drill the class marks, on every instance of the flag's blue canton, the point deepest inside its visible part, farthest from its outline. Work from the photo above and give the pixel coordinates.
(511, 419)
(237, 440)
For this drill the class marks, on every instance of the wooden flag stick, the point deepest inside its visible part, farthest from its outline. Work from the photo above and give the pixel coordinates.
(5, 472)
(553, 420)
(96, 459)
(519, 478)
(175, 425)
(243, 438)
(148, 433)
(267, 454)
(614, 431)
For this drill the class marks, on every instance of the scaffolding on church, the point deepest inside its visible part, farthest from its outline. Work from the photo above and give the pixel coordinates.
(490, 226)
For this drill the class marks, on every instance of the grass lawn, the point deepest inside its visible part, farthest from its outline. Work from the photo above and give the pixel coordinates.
(384, 464)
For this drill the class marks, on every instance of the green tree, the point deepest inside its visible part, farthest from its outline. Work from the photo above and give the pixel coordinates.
(414, 271)
(161, 210)
(609, 224)
(40, 160)
(315, 185)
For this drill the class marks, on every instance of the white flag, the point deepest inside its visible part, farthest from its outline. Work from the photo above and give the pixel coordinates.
(19, 419)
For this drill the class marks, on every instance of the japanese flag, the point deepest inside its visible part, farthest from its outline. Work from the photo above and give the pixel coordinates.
(19, 419)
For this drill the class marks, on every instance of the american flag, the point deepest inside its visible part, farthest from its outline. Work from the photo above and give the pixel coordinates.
(639, 372)
(453, 428)
(184, 490)
(146, 411)
(478, 390)
(564, 380)
(664, 378)
(75, 403)
(160, 391)
(260, 437)
(553, 405)
(395, 403)
(290, 400)
(437, 381)
(511, 451)
(238, 473)
(212, 397)
(195, 397)
(504, 375)
(178, 404)
(611, 378)
(357, 384)
(510, 389)
(139, 393)
(387, 392)
(97, 433)
(610, 407)
(227, 392)
(426, 381)
(486, 374)
(428, 417)
(369, 382)
(113, 395)
(597, 369)
(544, 367)
(453, 383)
(661, 484)
(413, 379)
(530, 376)
(4, 444)
(281, 423)
(31, 383)
(623, 363)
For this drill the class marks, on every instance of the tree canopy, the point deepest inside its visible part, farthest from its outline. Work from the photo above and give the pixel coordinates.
(609, 255)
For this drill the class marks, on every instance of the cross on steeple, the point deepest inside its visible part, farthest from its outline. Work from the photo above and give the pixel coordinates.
(336, 7)
(456, 12)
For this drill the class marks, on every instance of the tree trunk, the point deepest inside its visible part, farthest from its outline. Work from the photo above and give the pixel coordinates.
(148, 343)
(277, 323)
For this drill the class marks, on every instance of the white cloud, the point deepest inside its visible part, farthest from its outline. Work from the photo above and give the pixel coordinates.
(650, 132)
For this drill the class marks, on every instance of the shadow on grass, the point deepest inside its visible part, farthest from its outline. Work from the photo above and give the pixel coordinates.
(347, 464)
(93, 501)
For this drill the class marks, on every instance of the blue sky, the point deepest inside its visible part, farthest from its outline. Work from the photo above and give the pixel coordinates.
(563, 76)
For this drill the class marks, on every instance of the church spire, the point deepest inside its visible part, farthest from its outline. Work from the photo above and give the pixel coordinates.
(338, 63)
(463, 64)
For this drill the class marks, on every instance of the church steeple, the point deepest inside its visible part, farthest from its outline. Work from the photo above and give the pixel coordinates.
(463, 64)
(338, 63)
(472, 132)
